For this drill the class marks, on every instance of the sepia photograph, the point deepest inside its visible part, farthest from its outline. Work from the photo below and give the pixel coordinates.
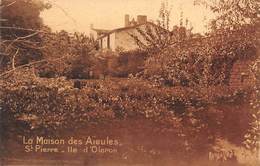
(129, 83)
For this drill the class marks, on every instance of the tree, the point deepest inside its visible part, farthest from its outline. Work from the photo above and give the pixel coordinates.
(239, 19)
(23, 13)
(82, 47)
(205, 60)
(233, 13)
(155, 37)
(20, 28)
(66, 54)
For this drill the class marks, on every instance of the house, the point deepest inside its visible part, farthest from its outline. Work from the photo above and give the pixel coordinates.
(120, 38)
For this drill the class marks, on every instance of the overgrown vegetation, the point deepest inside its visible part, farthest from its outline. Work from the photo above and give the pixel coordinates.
(51, 83)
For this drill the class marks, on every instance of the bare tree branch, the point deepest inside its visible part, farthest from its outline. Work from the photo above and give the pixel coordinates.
(13, 58)
(64, 11)
(20, 38)
(31, 64)
(23, 29)
(10, 4)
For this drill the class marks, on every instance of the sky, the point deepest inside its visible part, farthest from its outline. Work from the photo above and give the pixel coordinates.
(78, 15)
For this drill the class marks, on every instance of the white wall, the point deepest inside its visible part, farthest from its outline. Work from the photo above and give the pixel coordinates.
(125, 41)
(93, 34)
(113, 41)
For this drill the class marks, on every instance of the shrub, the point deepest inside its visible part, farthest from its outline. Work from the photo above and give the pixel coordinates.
(123, 64)
(202, 61)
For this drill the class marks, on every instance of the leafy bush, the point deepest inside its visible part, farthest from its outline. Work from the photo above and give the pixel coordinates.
(202, 61)
(122, 64)
(252, 136)
(65, 54)
(195, 119)
(55, 102)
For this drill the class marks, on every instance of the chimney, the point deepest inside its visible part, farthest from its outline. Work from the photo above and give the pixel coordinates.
(141, 19)
(127, 20)
(91, 26)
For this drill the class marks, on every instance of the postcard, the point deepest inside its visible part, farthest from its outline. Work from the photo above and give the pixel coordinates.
(129, 83)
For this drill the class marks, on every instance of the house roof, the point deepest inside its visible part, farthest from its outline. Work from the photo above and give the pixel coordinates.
(101, 30)
(125, 28)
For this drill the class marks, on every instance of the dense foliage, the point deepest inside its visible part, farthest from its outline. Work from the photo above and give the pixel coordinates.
(56, 82)
(20, 26)
(203, 61)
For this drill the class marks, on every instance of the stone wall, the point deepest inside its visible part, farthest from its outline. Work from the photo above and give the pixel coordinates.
(241, 75)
